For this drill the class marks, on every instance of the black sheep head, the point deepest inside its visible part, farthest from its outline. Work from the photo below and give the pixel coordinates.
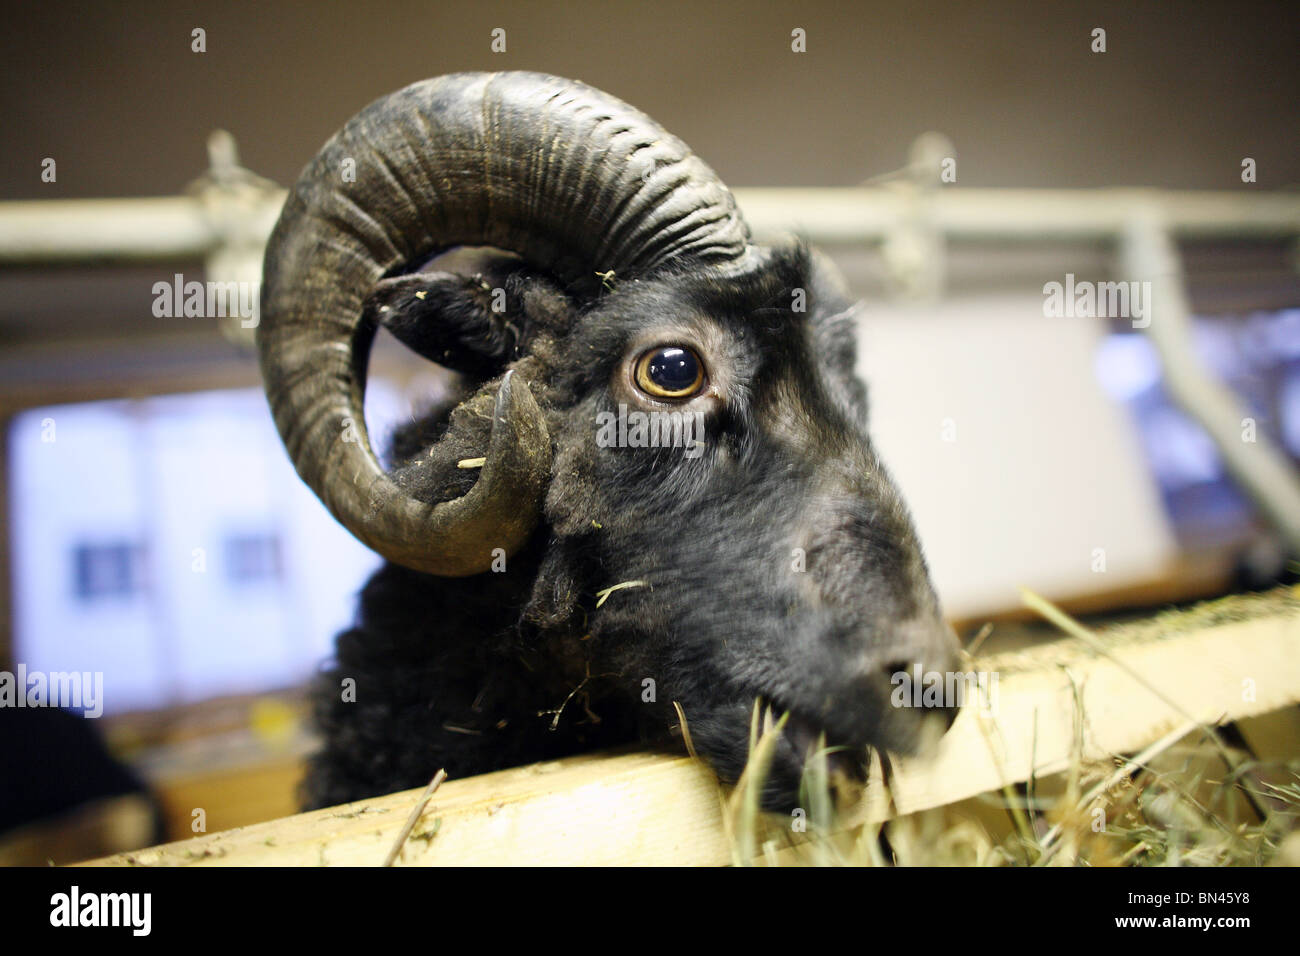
(756, 548)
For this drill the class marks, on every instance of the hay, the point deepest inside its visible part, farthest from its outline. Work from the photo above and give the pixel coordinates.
(1189, 799)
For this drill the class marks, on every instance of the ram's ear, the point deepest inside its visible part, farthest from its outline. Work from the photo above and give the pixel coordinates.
(835, 329)
(463, 323)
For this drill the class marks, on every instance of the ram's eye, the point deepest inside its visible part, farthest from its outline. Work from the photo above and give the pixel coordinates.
(670, 372)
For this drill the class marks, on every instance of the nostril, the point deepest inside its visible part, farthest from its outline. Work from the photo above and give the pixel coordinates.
(899, 676)
(896, 668)
(918, 684)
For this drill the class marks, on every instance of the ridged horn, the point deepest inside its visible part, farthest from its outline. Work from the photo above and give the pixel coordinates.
(570, 178)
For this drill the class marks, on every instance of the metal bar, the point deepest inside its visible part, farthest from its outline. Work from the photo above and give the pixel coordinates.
(868, 214)
(75, 230)
(118, 230)
(1261, 469)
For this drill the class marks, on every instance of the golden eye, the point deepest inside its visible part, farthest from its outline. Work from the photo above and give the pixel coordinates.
(670, 371)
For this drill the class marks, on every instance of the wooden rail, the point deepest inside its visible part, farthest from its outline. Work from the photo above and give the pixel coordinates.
(1225, 660)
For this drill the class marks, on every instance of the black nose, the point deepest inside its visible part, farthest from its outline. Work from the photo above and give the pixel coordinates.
(926, 680)
(896, 687)
(921, 685)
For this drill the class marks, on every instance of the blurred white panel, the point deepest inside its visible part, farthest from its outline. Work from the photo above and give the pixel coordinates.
(72, 484)
(1018, 468)
(244, 579)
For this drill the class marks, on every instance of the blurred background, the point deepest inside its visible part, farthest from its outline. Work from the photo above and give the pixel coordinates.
(953, 160)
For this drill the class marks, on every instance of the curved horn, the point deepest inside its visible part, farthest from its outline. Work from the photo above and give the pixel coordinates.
(572, 179)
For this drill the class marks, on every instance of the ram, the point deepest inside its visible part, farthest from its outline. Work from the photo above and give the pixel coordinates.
(547, 591)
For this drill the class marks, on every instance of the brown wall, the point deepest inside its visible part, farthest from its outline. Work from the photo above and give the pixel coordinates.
(113, 93)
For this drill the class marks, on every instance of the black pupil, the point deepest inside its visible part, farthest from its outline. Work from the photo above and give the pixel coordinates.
(673, 370)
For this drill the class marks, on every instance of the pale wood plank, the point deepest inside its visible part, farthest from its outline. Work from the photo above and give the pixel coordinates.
(657, 809)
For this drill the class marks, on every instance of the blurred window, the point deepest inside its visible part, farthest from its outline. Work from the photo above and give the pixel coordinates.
(108, 570)
(168, 543)
(1258, 356)
(252, 558)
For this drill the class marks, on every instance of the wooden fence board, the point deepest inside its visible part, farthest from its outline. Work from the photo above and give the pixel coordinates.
(1226, 660)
